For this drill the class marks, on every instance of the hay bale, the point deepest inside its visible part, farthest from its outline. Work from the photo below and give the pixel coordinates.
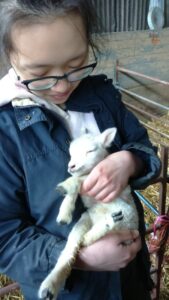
(13, 295)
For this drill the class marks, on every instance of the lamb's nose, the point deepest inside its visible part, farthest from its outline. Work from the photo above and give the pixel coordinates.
(71, 167)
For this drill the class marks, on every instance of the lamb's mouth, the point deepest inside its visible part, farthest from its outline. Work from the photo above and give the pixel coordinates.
(78, 171)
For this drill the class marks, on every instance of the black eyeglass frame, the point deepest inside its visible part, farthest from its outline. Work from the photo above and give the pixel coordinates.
(65, 76)
(27, 82)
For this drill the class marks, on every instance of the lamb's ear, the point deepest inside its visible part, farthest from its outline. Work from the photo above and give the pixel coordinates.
(107, 137)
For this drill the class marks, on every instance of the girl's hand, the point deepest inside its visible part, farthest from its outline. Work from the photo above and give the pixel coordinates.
(108, 179)
(110, 253)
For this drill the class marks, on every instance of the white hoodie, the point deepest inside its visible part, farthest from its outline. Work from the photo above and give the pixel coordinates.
(12, 90)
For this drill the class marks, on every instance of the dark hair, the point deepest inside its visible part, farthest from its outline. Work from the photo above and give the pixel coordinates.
(26, 12)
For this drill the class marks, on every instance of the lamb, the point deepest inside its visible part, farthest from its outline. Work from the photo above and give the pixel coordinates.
(98, 219)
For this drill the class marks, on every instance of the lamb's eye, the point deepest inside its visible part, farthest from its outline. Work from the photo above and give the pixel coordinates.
(91, 150)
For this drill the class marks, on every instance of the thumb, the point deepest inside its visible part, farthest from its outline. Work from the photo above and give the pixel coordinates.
(88, 183)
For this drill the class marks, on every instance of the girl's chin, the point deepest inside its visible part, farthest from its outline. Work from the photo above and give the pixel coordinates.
(57, 99)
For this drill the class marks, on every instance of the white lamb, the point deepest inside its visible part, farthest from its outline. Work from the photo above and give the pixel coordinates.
(99, 218)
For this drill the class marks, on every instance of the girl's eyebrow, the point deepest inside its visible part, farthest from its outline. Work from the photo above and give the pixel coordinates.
(38, 66)
(79, 56)
(35, 66)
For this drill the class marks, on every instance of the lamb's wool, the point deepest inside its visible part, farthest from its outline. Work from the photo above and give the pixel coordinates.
(99, 219)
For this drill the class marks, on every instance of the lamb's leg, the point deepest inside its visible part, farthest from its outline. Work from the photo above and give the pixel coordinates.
(102, 227)
(66, 209)
(71, 187)
(50, 287)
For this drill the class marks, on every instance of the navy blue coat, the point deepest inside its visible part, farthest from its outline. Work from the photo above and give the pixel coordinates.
(33, 160)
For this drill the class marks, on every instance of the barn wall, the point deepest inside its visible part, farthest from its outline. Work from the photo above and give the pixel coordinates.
(122, 15)
(126, 15)
(136, 51)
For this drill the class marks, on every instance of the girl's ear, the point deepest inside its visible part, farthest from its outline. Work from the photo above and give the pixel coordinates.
(107, 137)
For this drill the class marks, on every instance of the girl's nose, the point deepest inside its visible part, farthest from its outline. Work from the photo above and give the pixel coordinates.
(62, 86)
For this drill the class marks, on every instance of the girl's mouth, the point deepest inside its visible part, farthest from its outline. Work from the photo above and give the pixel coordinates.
(60, 96)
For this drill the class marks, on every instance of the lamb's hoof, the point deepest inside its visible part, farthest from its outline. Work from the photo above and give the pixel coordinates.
(63, 220)
(47, 291)
(117, 216)
(47, 295)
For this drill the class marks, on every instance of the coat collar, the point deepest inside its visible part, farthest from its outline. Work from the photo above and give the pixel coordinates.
(84, 98)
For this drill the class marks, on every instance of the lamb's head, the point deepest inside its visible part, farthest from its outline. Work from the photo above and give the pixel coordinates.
(88, 150)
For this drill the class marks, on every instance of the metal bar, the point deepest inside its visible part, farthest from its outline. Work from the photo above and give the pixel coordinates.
(155, 130)
(164, 175)
(140, 110)
(142, 98)
(127, 71)
(157, 180)
(143, 112)
(162, 210)
(164, 178)
(147, 203)
(116, 74)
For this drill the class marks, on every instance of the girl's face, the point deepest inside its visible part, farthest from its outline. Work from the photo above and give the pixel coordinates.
(51, 49)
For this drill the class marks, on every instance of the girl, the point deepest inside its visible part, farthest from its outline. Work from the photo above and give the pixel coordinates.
(47, 98)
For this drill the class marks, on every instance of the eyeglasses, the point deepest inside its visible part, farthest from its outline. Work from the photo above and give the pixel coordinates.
(44, 83)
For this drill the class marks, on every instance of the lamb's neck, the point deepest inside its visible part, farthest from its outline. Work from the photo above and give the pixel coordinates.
(87, 201)
(81, 177)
